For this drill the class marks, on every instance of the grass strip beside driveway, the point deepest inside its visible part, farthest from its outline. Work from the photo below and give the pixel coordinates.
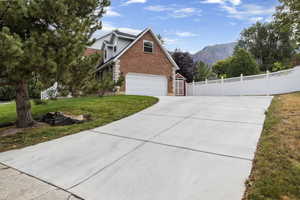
(102, 110)
(276, 171)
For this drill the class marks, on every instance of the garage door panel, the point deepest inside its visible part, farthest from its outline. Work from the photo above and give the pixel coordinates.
(144, 84)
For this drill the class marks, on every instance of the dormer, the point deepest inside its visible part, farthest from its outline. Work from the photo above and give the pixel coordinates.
(113, 43)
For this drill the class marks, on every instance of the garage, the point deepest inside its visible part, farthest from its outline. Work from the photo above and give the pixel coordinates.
(146, 84)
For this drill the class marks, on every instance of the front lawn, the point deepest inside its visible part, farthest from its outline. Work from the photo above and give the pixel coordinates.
(102, 110)
(276, 171)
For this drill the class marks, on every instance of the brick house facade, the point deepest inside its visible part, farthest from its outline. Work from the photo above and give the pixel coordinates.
(134, 59)
(156, 63)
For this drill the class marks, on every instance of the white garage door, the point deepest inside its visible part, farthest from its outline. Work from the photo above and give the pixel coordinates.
(144, 84)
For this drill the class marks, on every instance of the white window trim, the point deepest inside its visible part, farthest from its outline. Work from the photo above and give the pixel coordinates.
(144, 46)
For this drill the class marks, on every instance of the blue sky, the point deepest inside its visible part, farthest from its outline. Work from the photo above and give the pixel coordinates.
(188, 24)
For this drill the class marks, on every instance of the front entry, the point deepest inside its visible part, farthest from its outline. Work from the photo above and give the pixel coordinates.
(179, 85)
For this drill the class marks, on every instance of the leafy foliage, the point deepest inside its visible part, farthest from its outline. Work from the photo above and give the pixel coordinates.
(242, 62)
(268, 44)
(7, 93)
(296, 60)
(103, 86)
(43, 38)
(288, 18)
(221, 68)
(185, 62)
(80, 73)
(35, 87)
(203, 72)
(278, 66)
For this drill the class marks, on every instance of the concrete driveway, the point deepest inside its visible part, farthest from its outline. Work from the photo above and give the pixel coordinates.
(183, 148)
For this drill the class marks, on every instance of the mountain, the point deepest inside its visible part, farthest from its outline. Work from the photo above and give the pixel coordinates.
(212, 54)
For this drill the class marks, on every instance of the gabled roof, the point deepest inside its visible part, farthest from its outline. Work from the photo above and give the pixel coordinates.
(119, 34)
(178, 75)
(138, 37)
(124, 34)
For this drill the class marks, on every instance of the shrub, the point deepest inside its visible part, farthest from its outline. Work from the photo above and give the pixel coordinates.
(278, 66)
(104, 86)
(7, 93)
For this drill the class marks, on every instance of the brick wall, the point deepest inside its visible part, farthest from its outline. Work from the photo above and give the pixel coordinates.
(157, 63)
(90, 51)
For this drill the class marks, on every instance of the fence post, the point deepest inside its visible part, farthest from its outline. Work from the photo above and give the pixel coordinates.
(222, 85)
(267, 82)
(194, 88)
(206, 81)
(242, 80)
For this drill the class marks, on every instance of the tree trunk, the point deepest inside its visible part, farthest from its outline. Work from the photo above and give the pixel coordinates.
(24, 117)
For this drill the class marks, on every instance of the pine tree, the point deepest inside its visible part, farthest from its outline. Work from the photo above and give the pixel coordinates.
(43, 38)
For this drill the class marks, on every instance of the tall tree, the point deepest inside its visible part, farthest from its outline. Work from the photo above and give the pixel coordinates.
(221, 67)
(80, 74)
(43, 38)
(288, 17)
(268, 44)
(242, 62)
(203, 71)
(185, 62)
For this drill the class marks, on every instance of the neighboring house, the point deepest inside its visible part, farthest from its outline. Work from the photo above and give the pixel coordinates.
(147, 66)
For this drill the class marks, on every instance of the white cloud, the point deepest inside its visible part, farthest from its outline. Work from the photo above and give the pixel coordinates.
(134, 1)
(174, 11)
(111, 13)
(213, 1)
(108, 27)
(185, 10)
(255, 19)
(130, 30)
(170, 41)
(233, 2)
(250, 12)
(186, 34)
(158, 8)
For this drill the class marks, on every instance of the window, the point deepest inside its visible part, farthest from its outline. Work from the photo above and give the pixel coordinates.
(148, 46)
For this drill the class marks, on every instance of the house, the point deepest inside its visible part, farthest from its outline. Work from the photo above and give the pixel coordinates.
(146, 65)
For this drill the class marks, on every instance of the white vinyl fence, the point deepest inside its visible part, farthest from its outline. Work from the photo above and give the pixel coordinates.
(264, 84)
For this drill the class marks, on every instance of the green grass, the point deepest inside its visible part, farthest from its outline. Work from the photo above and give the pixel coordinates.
(102, 110)
(276, 170)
